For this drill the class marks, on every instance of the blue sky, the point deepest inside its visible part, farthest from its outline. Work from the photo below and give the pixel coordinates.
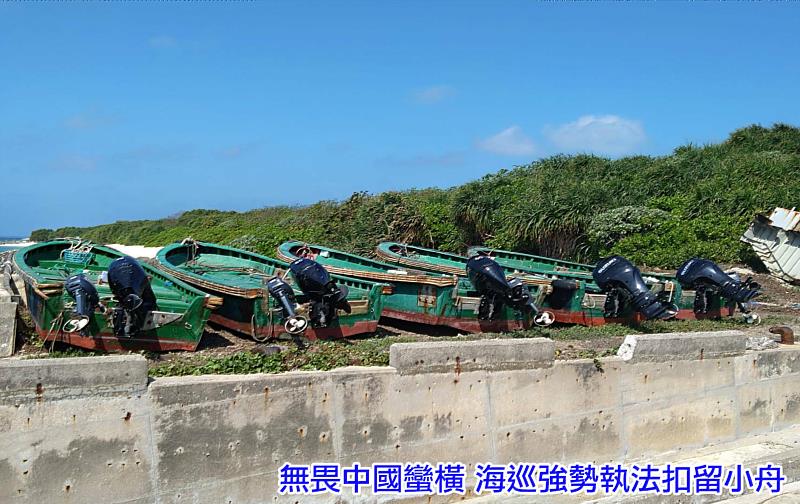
(139, 110)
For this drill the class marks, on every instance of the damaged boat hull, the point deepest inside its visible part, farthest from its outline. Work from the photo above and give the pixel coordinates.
(776, 241)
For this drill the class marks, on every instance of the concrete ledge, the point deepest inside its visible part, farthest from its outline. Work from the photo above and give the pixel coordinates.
(29, 380)
(8, 327)
(488, 355)
(682, 346)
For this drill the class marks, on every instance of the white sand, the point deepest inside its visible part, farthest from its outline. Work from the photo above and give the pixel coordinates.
(20, 244)
(136, 250)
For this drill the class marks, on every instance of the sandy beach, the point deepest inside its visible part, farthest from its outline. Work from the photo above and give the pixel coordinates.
(14, 244)
(131, 250)
(136, 250)
(17, 243)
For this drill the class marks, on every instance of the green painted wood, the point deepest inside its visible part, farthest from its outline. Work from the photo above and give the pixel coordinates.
(239, 277)
(515, 263)
(44, 271)
(520, 260)
(416, 297)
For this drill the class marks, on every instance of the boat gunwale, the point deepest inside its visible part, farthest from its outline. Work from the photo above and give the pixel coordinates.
(163, 263)
(528, 277)
(25, 270)
(286, 248)
(522, 256)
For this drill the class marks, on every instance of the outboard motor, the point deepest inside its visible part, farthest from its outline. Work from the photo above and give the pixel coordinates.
(325, 295)
(623, 282)
(283, 292)
(490, 281)
(86, 300)
(707, 279)
(134, 296)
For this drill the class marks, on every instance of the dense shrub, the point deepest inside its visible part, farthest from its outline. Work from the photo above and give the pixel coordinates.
(656, 210)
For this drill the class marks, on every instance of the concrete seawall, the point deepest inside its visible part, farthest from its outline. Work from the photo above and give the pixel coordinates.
(94, 429)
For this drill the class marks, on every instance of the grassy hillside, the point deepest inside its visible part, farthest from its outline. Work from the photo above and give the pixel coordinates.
(655, 210)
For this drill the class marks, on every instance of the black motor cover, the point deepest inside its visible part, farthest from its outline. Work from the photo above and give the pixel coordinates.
(284, 293)
(325, 295)
(616, 274)
(563, 290)
(131, 289)
(486, 275)
(698, 272)
(490, 281)
(85, 296)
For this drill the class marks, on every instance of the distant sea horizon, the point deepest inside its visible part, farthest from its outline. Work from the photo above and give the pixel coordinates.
(11, 242)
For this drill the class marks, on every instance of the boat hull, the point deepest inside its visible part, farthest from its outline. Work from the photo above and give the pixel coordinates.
(319, 333)
(245, 316)
(684, 299)
(584, 308)
(246, 306)
(439, 298)
(777, 247)
(49, 311)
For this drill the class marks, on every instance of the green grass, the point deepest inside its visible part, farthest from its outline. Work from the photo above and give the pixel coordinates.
(374, 351)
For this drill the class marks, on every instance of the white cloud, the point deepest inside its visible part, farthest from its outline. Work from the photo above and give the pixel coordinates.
(161, 41)
(607, 134)
(509, 142)
(433, 94)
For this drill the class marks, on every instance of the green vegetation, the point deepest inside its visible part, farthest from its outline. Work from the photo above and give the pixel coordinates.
(374, 351)
(657, 211)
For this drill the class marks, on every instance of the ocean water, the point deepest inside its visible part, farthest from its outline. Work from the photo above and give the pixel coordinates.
(4, 245)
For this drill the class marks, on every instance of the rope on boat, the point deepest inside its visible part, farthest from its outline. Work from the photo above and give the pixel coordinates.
(192, 245)
(78, 245)
(56, 322)
(305, 251)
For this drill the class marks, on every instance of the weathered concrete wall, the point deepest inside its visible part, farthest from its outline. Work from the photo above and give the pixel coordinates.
(75, 430)
(91, 430)
(8, 327)
(8, 312)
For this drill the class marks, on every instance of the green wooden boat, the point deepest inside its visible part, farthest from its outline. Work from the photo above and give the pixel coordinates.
(664, 286)
(261, 299)
(719, 306)
(172, 317)
(541, 263)
(427, 295)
